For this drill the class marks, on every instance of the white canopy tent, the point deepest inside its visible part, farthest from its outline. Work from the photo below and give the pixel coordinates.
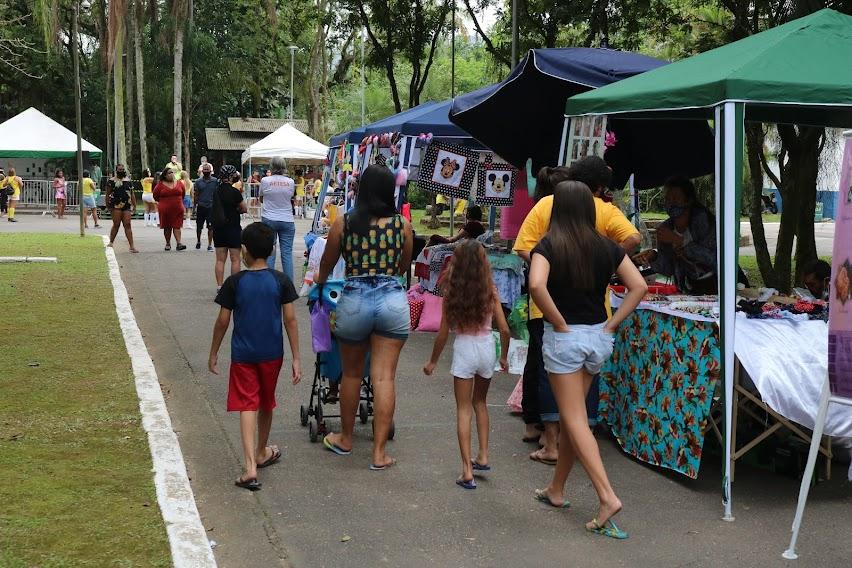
(32, 134)
(289, 143)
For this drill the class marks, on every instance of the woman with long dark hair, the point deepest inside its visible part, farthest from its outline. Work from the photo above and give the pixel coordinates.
(372, 312)
(569, 274)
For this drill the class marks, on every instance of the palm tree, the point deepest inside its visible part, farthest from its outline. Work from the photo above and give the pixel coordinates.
(137, 24)
(115, 55)
(180, 9)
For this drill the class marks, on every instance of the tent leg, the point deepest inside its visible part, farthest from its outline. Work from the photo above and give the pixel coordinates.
(790, 553)
(565, 124)
(729, 166)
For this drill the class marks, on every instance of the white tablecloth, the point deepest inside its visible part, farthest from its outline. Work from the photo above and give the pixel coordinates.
(788, 362)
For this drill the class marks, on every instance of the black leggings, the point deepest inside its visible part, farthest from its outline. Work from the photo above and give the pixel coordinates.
(4, 200)
(202, 215)
(533, 373)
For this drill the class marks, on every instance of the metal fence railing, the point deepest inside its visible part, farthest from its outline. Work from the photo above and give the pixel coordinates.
(39, 195)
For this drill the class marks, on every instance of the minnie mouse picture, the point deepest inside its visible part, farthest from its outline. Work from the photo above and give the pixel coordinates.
(449, 168)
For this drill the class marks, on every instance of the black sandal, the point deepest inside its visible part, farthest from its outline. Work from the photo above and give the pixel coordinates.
(276, 455)
(181, 247)
(168, 247)
(250, 484)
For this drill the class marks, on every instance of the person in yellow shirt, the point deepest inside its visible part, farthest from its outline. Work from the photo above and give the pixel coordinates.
(15, 183)
(89, 200)
(300, 194)
(538, 403)
(150, 205)
(186, 180)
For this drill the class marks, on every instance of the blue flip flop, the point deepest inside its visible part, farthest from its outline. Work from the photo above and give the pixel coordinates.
(608, 529)
(479, 467)
(335, 448)
(466, 484)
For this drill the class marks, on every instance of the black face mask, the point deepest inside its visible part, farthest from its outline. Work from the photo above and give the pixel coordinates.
(206, 174)
(120, 174)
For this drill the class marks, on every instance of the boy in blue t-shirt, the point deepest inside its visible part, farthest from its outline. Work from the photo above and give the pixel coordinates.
(258, 297)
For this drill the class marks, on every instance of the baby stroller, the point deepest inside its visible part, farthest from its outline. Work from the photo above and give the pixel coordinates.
(328, 369)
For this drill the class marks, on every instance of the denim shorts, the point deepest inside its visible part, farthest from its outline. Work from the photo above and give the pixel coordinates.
(187, 202)
(582, 346)
(89, 202)
(372, 304)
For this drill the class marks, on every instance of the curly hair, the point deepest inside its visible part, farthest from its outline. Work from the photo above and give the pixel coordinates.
(468, 288)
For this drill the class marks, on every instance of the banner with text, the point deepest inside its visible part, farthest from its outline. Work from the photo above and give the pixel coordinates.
(840, 300)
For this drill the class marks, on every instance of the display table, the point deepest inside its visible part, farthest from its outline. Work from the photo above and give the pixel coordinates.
(657, 391)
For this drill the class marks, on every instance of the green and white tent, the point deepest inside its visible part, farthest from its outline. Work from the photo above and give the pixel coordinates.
(31, 134)
(797, 73)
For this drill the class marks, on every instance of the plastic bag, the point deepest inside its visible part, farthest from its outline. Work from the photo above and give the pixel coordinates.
(320, 328)
(518, 319)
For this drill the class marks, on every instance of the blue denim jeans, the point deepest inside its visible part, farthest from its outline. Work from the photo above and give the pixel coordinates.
(285, 233)
(372, 304)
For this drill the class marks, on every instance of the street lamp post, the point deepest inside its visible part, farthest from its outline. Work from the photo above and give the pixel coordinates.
(75, 40)
(363, 79)
(292, 49)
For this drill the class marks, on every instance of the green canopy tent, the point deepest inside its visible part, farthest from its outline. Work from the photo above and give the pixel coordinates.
(797, 73)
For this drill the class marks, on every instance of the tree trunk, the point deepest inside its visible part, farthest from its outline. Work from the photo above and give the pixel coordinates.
(177, 95)
(118, 92)
(128, 106)
(755, 138)
(136, 30)
(316, 77)
(108, 120)
(805, 173)
(187, 93)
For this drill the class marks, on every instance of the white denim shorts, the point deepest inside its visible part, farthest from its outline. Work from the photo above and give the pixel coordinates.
(474, 356)
(582, 346)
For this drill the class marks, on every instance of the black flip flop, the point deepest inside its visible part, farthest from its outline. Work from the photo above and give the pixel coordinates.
(531, 439)
(276, 455)
(250, 484)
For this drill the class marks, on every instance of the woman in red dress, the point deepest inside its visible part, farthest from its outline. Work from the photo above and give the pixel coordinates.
(169, 197)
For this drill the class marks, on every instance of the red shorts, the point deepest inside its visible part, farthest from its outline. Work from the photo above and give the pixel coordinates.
(251, 386)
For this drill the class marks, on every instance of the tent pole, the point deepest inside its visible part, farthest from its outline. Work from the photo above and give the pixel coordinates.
(565, 124)
(729, 166)
(816, 439)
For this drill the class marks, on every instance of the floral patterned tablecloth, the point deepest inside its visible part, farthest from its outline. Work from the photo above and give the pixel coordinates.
(656, 391)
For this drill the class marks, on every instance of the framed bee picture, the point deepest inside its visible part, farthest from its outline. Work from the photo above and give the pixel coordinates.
(448, 170)
(496, 184)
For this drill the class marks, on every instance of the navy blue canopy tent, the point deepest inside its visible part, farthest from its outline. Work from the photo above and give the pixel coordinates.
(522, 117)
(350, 137)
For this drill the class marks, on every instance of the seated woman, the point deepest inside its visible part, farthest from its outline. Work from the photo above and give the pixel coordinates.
(815, 276)
(686, 241)
(472, 229)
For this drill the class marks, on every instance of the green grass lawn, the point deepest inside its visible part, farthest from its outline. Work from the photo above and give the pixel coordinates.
(77, 486)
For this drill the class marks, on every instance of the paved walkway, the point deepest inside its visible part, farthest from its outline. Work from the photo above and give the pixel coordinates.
(414, 515)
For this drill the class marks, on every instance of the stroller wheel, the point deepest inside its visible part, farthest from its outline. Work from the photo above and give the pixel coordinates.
(392, 431)
(363, 412)
(303, 415)
(318, 413)
(313, 431)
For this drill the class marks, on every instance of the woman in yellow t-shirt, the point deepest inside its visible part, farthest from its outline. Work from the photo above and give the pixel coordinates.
(300, 194)
(611, 223)
(187, 199)
(151, 216)
(16, 183)
(89, 200)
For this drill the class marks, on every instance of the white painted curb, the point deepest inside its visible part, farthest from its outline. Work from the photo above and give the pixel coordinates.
(187, 537)
(15, 259)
